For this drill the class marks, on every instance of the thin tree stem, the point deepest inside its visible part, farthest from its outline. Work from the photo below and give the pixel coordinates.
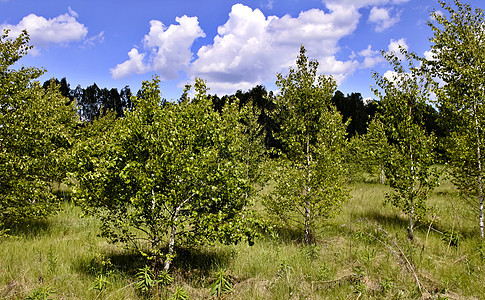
(479, 165)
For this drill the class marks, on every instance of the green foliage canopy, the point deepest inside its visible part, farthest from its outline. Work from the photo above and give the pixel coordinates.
(167, 175)
(409, 156)
(458, 44)
(310, 174)
(35, 133)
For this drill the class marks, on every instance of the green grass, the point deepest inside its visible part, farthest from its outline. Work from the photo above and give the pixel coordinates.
(355, 257)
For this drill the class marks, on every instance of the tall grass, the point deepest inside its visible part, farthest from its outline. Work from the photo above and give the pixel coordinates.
(360, 254)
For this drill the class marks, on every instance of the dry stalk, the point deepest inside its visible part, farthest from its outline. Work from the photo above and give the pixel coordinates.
(429, 229)
(338, 281)
(400, 256)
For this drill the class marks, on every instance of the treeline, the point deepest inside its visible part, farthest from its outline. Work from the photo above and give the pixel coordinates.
(93, 102)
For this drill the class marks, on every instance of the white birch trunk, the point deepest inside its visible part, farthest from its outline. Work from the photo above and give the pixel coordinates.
(308, 229)
(479, 165)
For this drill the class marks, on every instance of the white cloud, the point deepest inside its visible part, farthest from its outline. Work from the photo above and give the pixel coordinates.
(251, 48)
(429, 55)
(269, 5)
(99, 38)
(395, 45)
(368, 52)
(43, 32)
(168, 49)
(371, 57)
(356, 4)
(382, 18)
(72, 12)
(170, 46)
(134, 65)
(435, 14)
(391, 75)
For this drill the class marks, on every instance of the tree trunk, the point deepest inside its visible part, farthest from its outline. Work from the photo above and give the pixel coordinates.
(382, 174)
(173, 232)
(156, 259)
(479, 165)
(171, 244)
(411, 215)
(308, 227)
(411, 221)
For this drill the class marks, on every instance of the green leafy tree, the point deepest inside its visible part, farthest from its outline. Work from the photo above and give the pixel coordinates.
(310, 175)
(459, 63)
(410, 151)
(35, 135)
(374, 148)
(167, 175)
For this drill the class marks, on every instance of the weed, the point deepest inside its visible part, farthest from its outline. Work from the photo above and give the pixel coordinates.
(324, 273)
(451, 238)
(75, 263)
(147, 279)
(100, 282)
(179, 294)
(386, 285)
(311, 252)
(284, 271)
(42, 293)
(480, 249)
(52, 260)
(222, 286)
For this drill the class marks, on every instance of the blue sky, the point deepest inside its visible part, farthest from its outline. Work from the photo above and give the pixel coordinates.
(231, 44)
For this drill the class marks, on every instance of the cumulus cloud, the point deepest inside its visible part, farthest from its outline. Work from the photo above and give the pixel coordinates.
(396, 45)
(252, 48)
(43, 32)
(134, 65)
(167, 49)
(171, 46)
(363, 3)
(382, 18)
(430, 55)
(371, 57)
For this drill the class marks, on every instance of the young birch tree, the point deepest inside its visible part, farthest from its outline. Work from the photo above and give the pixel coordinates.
(409, 159)
(167, 175)
(310, 177)
(458, 61)
(35, 133)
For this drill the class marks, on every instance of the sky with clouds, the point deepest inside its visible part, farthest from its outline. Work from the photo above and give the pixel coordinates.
(231, 44)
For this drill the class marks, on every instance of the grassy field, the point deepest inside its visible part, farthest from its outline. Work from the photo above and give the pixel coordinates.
(363, 254)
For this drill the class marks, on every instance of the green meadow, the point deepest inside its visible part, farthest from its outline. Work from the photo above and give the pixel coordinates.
(362, 254)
